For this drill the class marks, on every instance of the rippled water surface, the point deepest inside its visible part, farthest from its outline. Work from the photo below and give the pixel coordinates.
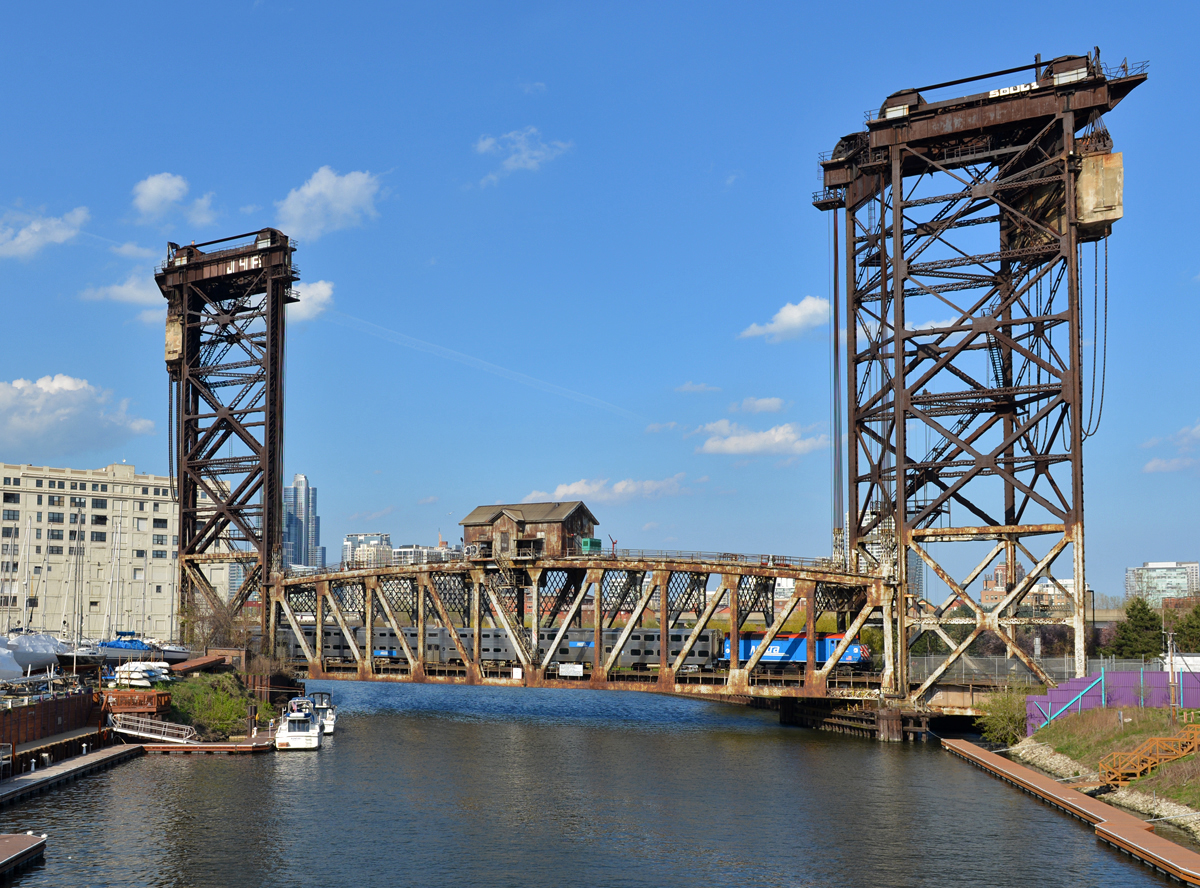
(433, 786)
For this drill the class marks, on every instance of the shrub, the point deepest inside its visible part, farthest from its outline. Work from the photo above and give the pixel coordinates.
(1003, 719)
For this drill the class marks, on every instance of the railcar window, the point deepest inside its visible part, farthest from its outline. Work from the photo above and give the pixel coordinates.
(635, 652)
(564, 650)
(608, 650)
(636, 637)
(676, 638)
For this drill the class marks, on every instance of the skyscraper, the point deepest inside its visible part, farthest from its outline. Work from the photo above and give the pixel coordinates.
(301, 525)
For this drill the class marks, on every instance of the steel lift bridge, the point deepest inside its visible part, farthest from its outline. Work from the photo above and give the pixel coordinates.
(963, 232)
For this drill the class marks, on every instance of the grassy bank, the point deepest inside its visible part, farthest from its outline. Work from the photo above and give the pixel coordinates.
(215, 705)
(1089, 736)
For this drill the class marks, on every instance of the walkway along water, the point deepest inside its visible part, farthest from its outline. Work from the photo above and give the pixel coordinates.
(1124, 831)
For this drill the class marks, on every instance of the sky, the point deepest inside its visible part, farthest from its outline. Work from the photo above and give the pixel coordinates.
(556, 250)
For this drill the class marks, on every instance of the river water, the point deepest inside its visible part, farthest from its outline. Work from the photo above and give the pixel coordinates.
(445, 786)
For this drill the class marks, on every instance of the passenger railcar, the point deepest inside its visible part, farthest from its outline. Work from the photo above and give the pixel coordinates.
(642, 650)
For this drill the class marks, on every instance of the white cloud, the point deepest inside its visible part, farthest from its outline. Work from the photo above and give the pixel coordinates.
(690, 386)
(599, 490)
(249, 208)
(201, 211)
(792, 320)
(315, 297)
(427, 501)
(153, 315)
(656, 427)
(328, 202)
(758, 405)
(155, 194)
(732, 177)
(371, 516)
(131, 250)
(139, 288)
(38, 231)
(731, 438)
(1176, 464)
(522, 150)
(59, 415)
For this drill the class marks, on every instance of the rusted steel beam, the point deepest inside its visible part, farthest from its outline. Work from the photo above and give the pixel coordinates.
(735, 622)
(200, 581)
(295, 624)
(475, 623)
(631, 624)
(390, 616)
(339, 617)
(369, 626)
(472, 666)
(945, 664)
(507, 625)
(319, 614)
(701, 625)
(810, 620)
(799, 592)
(993, 532)
(576, 604)
(850, 634)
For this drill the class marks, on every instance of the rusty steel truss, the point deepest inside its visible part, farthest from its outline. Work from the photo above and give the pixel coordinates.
(962, 252)
(226, 303)
(622, 591)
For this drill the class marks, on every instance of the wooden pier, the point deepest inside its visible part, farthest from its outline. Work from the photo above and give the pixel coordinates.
(19, 850)
(261, 743)
(33, 782)
(1113, 826)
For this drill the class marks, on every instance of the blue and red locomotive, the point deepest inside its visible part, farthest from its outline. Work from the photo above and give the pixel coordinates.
(788, 648)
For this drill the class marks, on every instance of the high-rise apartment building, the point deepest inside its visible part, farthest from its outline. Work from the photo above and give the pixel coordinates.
(89, 549)
(375, 543)
(301, 525)
(1156, 580)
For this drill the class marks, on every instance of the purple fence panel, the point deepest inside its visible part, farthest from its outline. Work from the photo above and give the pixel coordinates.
(1119, 689)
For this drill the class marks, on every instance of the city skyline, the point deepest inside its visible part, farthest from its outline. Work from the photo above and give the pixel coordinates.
(655, 221)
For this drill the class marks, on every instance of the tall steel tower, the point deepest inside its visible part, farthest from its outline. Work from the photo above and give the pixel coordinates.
(965, 251)
(226, 304)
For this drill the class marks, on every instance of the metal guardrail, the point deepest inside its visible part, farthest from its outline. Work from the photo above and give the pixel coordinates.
(151, 728)
(1012, 671)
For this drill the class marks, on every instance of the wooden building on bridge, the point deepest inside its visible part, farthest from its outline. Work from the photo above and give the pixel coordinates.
(528, 530)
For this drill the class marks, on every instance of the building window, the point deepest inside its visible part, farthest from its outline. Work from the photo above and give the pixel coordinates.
(100, 519)
(62, 485)
(39, 519)
(15, 532)
(37, 483)
(79, 502)
(145, 491)
(39, 496)
(74, 486)
(503, 542)
(139, 523)
(158, 589)
(73, 536)
(104, 488)
(54, 517)
(160, 539)
(175, 539)
(77, 518)
(94, 606)
(141, 507)
(8, 480)
(139, 573)
(99, 536)
(37, 550)
(156, 507)
(38, 569)
(37, 532)
(54, 535)
(99, 503)
(139, 553)
(54, 500)
(11, 515)
(12, 497)
(160, 523)
(54, 550)
(160, 553)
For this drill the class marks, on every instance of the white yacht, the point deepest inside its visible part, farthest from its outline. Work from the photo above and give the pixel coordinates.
(298, 727)
(325, 710)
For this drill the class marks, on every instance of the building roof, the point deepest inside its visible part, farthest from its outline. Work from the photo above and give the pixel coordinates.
(531, 513)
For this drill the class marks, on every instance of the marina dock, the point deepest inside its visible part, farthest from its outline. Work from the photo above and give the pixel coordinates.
(24, 785)
(18, 851)
(1117, 828)
(262, 743)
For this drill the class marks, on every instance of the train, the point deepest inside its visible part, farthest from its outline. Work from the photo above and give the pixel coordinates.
(792, 648)
(642, 650)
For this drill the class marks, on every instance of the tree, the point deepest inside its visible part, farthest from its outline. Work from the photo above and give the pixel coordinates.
(1003, 719)
(1187, 632)
(1138, 635)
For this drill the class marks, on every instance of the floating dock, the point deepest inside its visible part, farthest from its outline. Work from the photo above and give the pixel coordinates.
(33, 782)
(18, 851)
(261, 743)
(1119, 829)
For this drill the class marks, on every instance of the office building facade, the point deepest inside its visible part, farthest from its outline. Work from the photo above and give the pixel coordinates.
(1156, 580)
(89, 550)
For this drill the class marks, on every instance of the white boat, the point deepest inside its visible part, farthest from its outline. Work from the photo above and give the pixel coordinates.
(298, 728)
(325, 710)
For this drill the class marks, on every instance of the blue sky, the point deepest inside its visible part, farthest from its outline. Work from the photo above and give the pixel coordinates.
(532, 238)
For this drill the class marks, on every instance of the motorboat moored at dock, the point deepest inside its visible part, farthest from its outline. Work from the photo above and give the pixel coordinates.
(298, 727)
(325, 710)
